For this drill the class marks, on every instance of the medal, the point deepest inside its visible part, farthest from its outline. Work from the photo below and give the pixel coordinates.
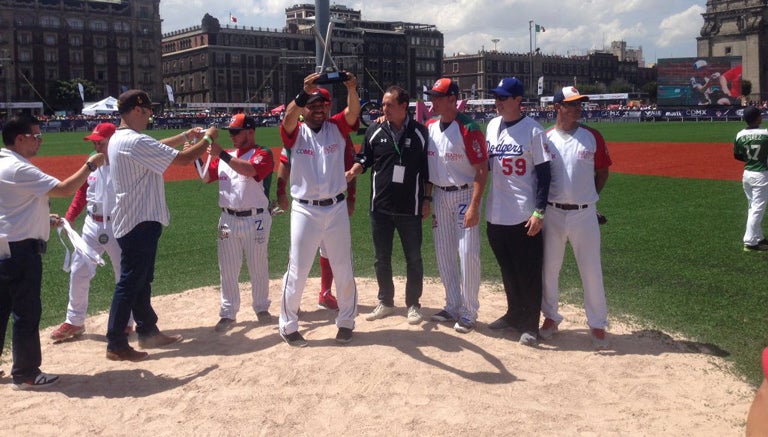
(103, 238)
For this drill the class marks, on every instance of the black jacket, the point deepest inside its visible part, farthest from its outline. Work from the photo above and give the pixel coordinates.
(380, 152)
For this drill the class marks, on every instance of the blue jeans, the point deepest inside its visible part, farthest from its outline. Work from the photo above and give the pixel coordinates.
(133, 291)
(409, 228)
(20, 283)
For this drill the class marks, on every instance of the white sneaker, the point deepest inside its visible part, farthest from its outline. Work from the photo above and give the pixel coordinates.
(528, 339)
(40, 381)
(599, 339)
(414, 315)
(380, 312)
(548, 329)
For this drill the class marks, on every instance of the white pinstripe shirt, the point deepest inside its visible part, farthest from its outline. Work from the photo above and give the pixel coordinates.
(137, 163)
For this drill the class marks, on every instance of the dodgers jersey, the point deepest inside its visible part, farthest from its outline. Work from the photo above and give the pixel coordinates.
(240, 192)
(513, 154)
(575, 157)
(317, 159)
(452, 153)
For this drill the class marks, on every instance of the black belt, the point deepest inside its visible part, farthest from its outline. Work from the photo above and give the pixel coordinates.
(38, 246)
(98, 218)
(453, 187)
(568, 206)
(244, 213)
(323, 202)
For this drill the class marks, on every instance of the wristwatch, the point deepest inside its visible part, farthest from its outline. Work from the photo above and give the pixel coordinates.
(91, 166)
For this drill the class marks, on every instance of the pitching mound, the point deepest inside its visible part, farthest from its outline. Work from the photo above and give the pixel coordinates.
(392, 379)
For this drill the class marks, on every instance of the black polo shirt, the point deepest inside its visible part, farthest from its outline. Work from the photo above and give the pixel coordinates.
(383, 152)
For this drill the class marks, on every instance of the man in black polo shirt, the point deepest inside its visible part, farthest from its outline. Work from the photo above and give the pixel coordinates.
(397, 150)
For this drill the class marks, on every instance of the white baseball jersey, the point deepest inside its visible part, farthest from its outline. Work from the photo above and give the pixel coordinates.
(23, 198)
(513, 154)
(138, 162)
(452, 153)
(240, 192)
(575, 157)
(317, 159)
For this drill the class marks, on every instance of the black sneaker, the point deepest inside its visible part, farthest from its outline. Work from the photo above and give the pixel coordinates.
(40, 381)
(344, 335)
(224, 325)
(499, 324)
(759, 247)
(294, 339)
(442, 316)
(264, 317)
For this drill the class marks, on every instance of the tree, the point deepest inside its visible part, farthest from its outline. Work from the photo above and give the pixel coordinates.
(65, 95)
(746, 88)
(651, 88)
(620, 85)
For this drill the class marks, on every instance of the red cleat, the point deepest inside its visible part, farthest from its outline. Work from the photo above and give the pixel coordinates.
(327, 301)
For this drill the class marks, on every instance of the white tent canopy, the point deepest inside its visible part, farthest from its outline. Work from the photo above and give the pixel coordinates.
(106, 106)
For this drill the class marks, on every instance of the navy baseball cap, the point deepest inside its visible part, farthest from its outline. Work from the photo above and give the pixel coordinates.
(568, 94)
(751, 114)
(509, 87)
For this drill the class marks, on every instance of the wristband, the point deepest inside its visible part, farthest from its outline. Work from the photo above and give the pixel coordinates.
(301, 99)
(208, 139)
(538, 215)
(427, 198)
(224, 156)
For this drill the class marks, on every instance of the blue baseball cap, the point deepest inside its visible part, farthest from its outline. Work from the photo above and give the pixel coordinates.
(509, 87)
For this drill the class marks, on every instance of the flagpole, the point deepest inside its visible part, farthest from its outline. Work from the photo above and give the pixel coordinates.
(530, 53)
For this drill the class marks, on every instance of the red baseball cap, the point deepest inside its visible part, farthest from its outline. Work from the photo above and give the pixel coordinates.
(102, 131)
(321, 93)
(444, 87)
(242, 121)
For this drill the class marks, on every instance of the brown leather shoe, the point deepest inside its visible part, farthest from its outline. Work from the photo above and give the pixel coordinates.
(159, 340)
(127, 354)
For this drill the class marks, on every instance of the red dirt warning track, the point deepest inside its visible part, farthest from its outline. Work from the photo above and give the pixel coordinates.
(683, 160)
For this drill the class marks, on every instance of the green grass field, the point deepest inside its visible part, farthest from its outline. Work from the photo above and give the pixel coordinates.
(672, 253)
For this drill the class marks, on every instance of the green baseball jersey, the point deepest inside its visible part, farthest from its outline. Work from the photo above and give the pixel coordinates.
(751, 146)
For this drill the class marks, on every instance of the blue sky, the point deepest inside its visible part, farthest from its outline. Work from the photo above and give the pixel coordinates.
(663, 28)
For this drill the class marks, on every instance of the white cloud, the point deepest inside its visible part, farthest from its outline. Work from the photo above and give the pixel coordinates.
(667, 27)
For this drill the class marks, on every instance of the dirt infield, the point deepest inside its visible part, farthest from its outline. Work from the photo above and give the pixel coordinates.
(683, 160)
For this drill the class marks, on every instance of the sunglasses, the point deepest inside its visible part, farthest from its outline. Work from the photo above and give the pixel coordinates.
(574, 104)
(235, 132)
(500, 98)
(35, 136)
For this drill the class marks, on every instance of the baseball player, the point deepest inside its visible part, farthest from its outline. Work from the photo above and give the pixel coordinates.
(518, 157)
(319, 214)
(326, 300)
(245, 220)
(751, 146)
(458, 169)
(579, 167)
(96, 196)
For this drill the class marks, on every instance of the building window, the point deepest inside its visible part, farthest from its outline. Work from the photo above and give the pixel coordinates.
(122, 43)
(25, 38)
(122, 59)
(50, 39)
(25, 55)
(98, 25)
(455, 67)
(75, 40)
(101, 75)
(122, 27)
(75, 23)
(99, 42)
(48, 21)
(99, 59)
(50, 73)
(77, 73)
(51, 56)
(727, 51)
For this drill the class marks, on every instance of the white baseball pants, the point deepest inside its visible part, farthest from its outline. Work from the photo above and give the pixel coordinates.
(580, 227)
(249, 235)
(313, 227)
(457, 246)
(756, 188)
